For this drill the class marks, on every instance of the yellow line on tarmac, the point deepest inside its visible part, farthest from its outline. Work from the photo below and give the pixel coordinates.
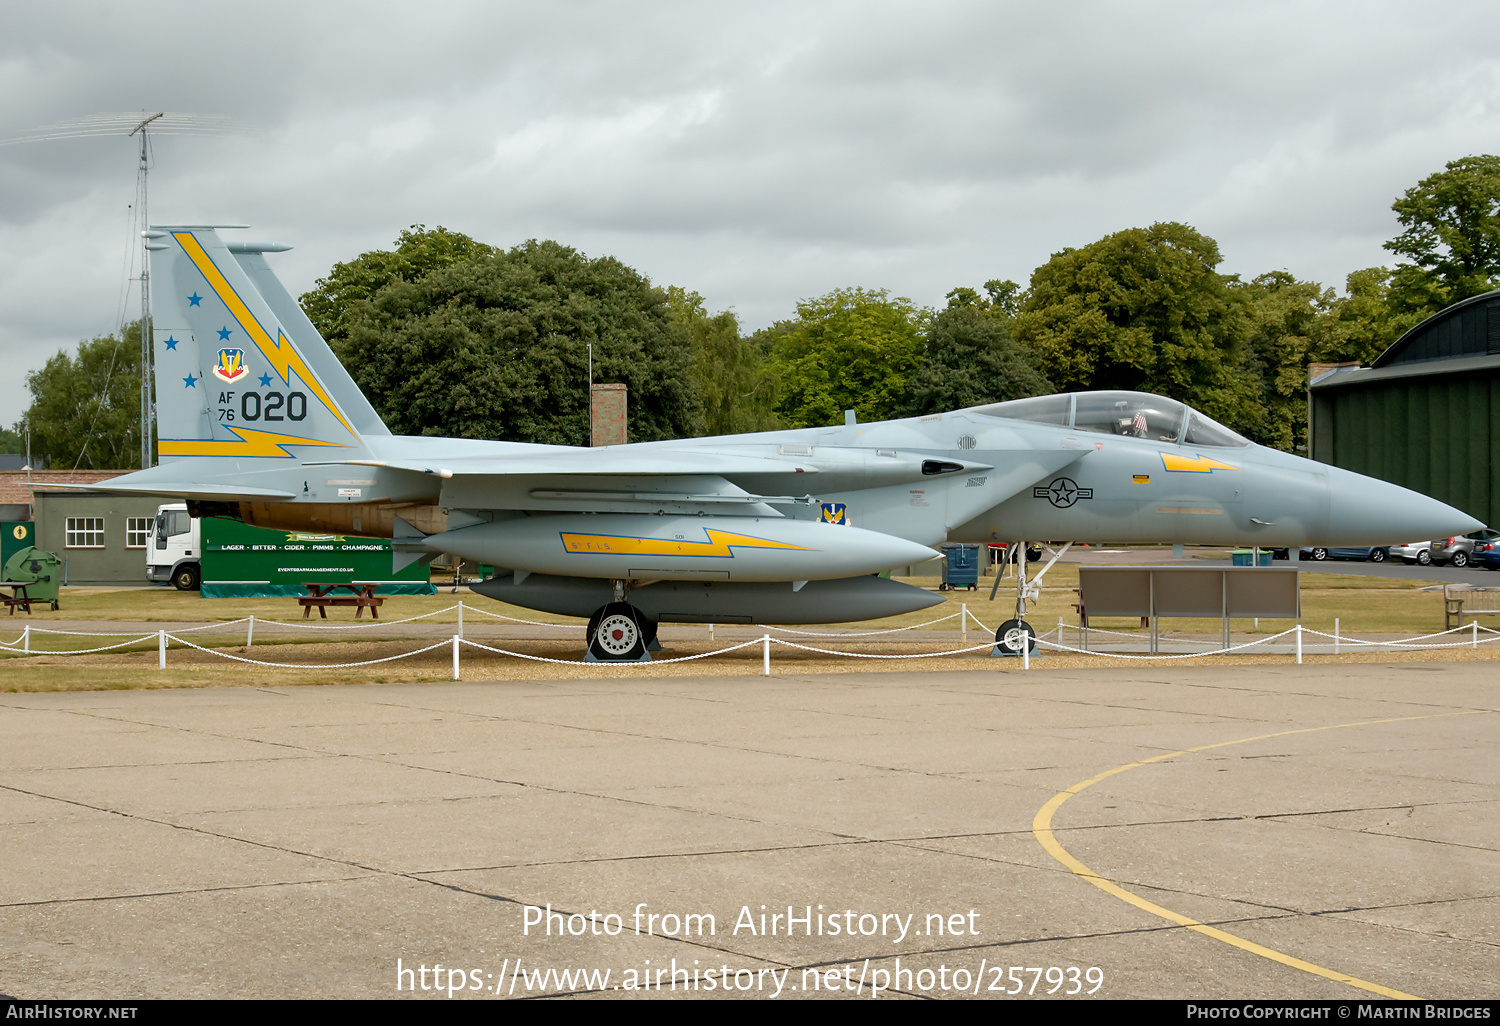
(1041, 826)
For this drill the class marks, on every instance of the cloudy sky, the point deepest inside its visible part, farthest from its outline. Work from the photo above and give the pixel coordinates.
(755, 153)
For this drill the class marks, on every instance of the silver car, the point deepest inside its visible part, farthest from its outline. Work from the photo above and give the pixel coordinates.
(1456, 551)
(1419, 553)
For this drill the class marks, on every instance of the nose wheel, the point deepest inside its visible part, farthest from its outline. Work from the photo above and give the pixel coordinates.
(619, 633)
(1014, 637)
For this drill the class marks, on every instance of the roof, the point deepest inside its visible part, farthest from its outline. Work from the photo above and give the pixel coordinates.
(1470, 327)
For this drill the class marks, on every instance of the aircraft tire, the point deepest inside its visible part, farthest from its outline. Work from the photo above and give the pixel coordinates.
(618, 633)
(1009, 634)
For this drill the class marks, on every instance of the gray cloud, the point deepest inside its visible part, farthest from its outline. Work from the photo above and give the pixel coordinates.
(757, 155)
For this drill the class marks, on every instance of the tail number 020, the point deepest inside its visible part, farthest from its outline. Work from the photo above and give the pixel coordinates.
(275, 406)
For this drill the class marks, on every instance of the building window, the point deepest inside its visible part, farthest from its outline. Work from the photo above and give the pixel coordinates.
(85, 533)
(137, 532)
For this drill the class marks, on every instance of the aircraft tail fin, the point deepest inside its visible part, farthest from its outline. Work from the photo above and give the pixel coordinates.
(240, 371)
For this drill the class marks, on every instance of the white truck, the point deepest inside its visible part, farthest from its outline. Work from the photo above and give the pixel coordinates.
(174, 553)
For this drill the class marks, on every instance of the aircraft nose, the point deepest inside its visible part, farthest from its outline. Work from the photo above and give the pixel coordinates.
(1366, 511)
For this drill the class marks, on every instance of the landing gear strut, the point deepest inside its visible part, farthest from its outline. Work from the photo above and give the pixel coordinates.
(1016, 636)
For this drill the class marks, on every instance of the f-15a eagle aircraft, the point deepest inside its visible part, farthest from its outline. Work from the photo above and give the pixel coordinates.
(258, 421)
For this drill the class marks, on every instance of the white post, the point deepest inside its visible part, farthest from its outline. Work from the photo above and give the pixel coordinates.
(161, 650)
(765, 664)
(1299, 644)
(710, 632)
(1475, 626)
(26, 639)
(963, 624)
(455, 657)
(250, 632)
(1025, 651)
(460, 621)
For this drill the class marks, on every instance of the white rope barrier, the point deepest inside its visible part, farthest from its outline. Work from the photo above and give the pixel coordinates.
(987, 646)
(299, 666)
(583, 662)
(22, 646)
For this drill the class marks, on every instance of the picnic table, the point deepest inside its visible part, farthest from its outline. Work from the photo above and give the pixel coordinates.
(17, 596)
(362, 597)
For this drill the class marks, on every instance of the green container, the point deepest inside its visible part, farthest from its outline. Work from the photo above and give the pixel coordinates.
(240, 561)
(40, 569)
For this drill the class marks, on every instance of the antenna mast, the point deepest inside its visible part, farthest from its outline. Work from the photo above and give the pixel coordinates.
(147, 407)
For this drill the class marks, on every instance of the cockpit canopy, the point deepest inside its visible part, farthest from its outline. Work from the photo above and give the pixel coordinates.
(1132, 414)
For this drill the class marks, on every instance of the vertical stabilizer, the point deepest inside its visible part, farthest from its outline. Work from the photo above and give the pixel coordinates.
(233, 377)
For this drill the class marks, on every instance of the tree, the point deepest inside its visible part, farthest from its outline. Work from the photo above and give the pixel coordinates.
(730, 374)
(1002, 298)
(851, 349)
(1452, 236)
(418, 252)
(1141, 309)
(85, 410)
(1289, 324)
(486, 343)
(968, 360)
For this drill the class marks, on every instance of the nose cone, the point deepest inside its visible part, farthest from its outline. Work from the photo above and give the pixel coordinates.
(1365, 511)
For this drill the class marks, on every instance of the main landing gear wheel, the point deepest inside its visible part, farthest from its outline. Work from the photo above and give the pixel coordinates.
(1013, 637)
(619, 633)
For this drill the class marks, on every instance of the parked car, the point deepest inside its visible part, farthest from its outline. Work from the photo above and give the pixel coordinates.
(1457, 551)
(1486, 554)
(1374, 553)
(1419, 553)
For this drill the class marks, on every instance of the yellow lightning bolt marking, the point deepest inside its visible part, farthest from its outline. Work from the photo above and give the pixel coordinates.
(250, 443)
(718, 544)
(280, 354)
(1193, 464)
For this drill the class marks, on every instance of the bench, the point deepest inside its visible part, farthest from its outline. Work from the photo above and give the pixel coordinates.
(1460, 600)
(17, 596)
(322, 595)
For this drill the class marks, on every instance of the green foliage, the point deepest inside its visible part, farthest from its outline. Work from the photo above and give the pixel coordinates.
(1289, 324)
(852, 349)
(1002, 298)
(12, 441)
(1141, 309)
(1373, 314)
(968, 360)
(484, 343)
(418, 252)
(1452, 236)
(730, 373)
(85, 409)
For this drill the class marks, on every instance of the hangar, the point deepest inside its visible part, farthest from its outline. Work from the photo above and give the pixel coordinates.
(1426, 414)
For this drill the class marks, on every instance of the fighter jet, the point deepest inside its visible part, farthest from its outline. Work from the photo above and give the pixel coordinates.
(258, 421)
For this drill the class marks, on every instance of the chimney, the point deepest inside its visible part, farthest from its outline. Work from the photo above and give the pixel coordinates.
(607, 415)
